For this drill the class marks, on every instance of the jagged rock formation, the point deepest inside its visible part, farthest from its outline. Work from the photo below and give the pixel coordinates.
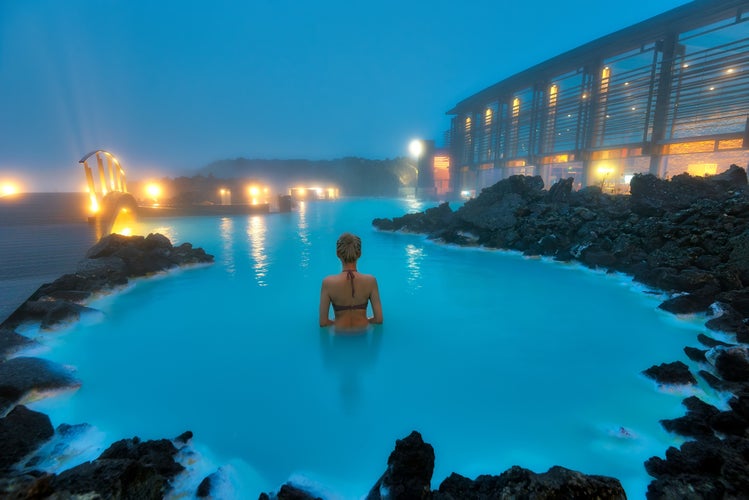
(688, 236)
(129, 468)
(411, 464)
(109, 264)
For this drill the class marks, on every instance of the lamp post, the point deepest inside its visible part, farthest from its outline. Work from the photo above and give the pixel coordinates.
(416, 148)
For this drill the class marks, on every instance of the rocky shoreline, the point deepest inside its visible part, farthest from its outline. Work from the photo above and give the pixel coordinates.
(129, 468)
(688, 236)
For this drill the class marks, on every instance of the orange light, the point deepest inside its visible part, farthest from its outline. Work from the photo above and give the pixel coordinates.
(94, 203)
(153, 190)
(9, 188)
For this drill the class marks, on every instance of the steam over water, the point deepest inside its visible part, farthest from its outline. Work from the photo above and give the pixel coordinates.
(497, 359)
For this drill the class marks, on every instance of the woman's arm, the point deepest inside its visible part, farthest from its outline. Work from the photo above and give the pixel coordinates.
(324, 306)
(374, 299)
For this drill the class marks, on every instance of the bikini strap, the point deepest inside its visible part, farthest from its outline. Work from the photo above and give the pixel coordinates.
(350, 276)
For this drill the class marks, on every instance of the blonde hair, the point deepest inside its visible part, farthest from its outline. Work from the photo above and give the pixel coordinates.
(348, 247)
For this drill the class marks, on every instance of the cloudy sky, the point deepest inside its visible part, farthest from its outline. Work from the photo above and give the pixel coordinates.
(169, 86)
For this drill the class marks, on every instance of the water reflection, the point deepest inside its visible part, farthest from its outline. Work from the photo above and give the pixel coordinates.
(414, 256)
(227, 241)
(303, 232)
(414, 205)
(123, 224)
(256, 229)
(168, 231)
(350, 356)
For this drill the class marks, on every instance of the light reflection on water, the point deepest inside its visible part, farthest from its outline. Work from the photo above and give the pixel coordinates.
(498, 360)
(303, 232)
(256, 234)
(414, 255)
(227, 240)
(414, 205)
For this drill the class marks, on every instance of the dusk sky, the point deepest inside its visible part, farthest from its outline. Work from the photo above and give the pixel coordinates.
(169, 86)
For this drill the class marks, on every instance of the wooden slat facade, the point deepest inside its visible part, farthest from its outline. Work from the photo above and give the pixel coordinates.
(665, 96)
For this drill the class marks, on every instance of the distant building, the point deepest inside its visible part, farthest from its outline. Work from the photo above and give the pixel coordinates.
(433, 171)
(665, 96)
(441, 171)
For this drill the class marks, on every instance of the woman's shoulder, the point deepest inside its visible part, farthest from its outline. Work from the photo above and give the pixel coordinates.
(331, 278)
(367, 277)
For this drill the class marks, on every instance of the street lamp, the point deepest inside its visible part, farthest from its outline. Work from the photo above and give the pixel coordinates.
(416, 148)
(153, 191)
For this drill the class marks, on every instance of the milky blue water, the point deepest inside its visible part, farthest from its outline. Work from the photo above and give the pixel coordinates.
(497, 359)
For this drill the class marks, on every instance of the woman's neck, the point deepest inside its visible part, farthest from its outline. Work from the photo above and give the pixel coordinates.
(349, 267)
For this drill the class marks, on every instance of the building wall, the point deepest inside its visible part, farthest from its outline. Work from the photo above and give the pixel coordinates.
(666, 96)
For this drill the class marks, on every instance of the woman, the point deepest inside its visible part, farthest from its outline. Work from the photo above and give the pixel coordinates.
(349, 291)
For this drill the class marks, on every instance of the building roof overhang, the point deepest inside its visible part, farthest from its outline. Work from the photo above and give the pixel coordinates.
(681, 19)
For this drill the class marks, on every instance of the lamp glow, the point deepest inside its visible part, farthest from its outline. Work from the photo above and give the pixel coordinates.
(153, 190)
(605, 170)
(9, 189)
(416, 147)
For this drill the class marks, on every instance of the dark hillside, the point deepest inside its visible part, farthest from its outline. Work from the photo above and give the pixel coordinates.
(353, 176)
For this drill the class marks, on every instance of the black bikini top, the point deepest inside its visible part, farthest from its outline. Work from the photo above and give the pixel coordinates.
(350, 276)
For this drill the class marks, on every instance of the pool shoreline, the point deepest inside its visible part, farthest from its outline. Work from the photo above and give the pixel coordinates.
(689, 237)
(373, 481)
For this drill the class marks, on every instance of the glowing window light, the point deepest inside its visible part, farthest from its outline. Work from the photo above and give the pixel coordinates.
(605, 170)
(730, 71)
(516, 107)
(553, 91)
(702, 169)
(711, 88)
(605, 76)
(254, 191)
